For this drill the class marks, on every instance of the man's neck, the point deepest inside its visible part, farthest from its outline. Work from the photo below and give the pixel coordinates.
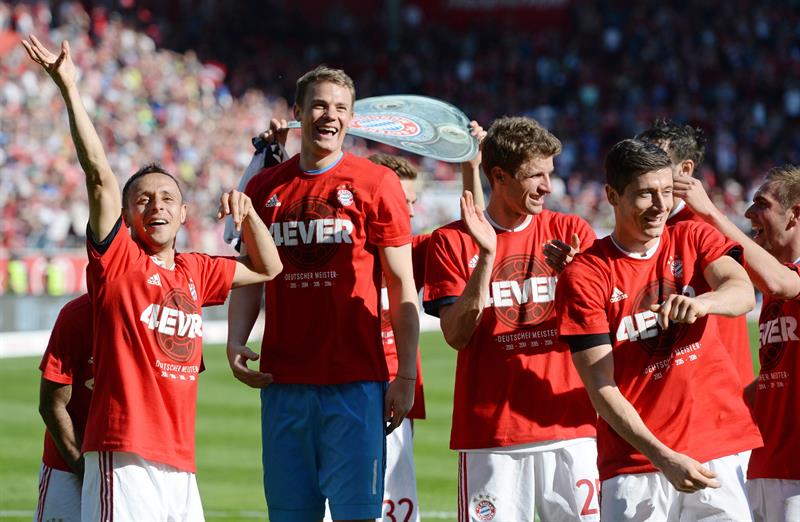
(311, 162)
(165, 258)
(505, 217)
(634, 246)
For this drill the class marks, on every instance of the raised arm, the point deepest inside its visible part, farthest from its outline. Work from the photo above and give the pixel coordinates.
(596, 368)
(471, 169)
(404, 313)
(460, 319)
(105, 202)
(770, 275)
(53, 400)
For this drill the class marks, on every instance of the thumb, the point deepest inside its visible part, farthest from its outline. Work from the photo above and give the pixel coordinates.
(706, 472)
(576, 243)
(250, 355)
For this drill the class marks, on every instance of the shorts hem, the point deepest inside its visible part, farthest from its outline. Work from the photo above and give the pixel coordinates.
(356, 511)
(295, 515)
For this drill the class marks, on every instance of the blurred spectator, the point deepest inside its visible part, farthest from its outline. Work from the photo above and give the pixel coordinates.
(605, 71)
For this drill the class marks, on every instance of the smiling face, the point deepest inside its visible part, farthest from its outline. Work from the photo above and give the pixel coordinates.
(524, 192)
(642, 209)
(155, 211)
(771, 223)
(325, 116)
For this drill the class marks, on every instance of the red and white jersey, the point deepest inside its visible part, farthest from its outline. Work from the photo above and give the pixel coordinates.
(515, 382)
(681, 381)
(148, 338)
(68, 360)
(732, 330)
(778, 391)
(419, 251)
(323, 311)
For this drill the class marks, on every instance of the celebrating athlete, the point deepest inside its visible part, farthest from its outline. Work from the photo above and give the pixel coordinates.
(339, 222)
(634, 309)
(147, 326)
(522, 422)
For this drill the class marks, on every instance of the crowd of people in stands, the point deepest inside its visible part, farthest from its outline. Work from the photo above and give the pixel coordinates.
(190, 94)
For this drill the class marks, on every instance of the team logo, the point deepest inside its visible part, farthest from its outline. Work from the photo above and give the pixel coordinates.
(192, 289)
(154, 280)
(774, 329)
(676, 267)
(344, 196)
(177, 324)
(661, 342)
(484, 507)
(473, 262)
(522, 291)
(310, 232)
(617, 295)
(387, 125)
(273, 202)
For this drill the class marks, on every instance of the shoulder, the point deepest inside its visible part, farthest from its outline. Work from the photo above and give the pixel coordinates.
(273, 173)
(367, 172)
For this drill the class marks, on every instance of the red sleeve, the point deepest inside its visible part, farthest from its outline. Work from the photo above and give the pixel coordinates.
(121, 254)
(711, 244)
(217, 276)
(445, 273)
(581, 297)
(388, 222)
(419, 254)
(58, 363)
(585, 234)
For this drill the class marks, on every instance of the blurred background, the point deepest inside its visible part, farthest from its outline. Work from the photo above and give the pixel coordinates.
(187, 83)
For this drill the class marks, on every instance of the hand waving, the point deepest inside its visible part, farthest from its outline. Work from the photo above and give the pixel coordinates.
(478, 227)
(59, 67)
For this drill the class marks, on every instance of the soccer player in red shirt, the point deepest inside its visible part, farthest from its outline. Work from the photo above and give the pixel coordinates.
(147, 324)
(686, 148)
(773, 261)
(522, 422)
(634, 309)
(64, 394)
(339, 222)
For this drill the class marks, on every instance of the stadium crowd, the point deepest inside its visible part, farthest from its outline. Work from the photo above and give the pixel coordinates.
(732, 70)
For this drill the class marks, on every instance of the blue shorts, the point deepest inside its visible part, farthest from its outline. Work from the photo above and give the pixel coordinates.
(323, 441)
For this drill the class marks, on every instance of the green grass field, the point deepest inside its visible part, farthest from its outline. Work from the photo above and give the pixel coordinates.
(228, 442)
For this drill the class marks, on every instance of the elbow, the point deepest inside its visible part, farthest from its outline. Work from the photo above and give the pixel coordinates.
(455, 341)
(271, 272)
(777, 287)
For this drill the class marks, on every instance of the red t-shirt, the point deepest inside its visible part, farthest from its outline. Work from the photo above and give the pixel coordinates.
(681, 381)
(778, 393)
(732, 330)
(68, 360)
(323, 324)
(419, 251)
(515, 382)
(148, 339)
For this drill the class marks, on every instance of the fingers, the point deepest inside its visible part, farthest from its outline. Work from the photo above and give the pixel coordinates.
(237, 205)
(575, 244)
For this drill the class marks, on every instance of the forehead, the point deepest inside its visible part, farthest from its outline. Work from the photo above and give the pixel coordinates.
(330, 92)
(654, 179)
(154, 182)
(767, 191)
(537, 163)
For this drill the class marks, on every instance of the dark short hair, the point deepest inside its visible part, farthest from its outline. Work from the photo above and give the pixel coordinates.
(150, 168)
(322, 73)
(681, 142)
(785, 184)
(631, 158)
(401, 166)
(511, 141)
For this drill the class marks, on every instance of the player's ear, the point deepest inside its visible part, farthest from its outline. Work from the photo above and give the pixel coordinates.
(794, 216)
(612, 195)
(686, 167)
(296, 111)
(183, 213)
(497, 174)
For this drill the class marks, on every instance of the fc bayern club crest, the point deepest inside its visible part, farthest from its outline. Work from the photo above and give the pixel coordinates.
(387, 125)
(344, 196)
(484, 507)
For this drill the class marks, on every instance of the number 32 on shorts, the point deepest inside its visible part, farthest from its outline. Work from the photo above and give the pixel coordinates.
(399, 511)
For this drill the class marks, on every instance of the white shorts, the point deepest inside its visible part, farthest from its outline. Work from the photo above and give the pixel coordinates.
(123, 486)
(59, 496)
(774, 500)
(400, 481)
(650, 496)
(560, 484)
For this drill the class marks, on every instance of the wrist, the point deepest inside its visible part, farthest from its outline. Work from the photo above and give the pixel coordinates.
(405, 378)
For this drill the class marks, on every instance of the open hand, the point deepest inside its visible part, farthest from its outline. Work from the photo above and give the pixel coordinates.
(238, 356)
(236, 204)
(59, 67)
(559, 254)
(478, 227)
